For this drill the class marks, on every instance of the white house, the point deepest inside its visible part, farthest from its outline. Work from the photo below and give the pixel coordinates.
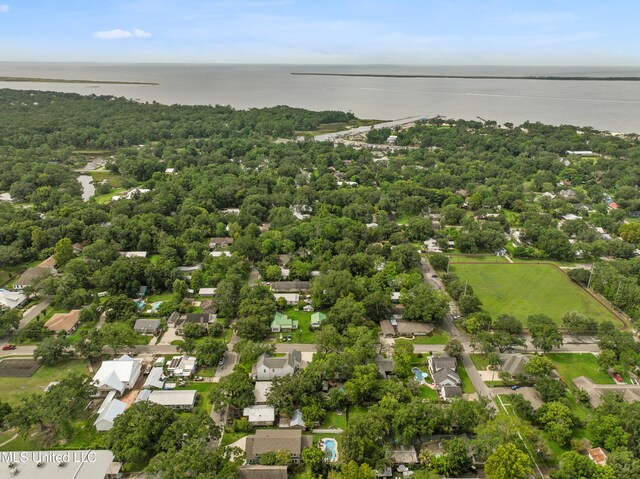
(183, 365)
(12, 299)
(260, 415)
(118, 375)
(268, 368)
(290, 298)
(183, 399)
(110, 409)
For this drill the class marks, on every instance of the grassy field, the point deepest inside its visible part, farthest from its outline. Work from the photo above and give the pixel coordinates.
(467, 385)
(427, 393)
(480, 361)
(303, 334)
(571, 366)
(12, 389)
(523, 290)
(439, 336)
(480, 258)
(334, 420)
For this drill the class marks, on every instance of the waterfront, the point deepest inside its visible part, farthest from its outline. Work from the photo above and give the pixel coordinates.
(603, 105)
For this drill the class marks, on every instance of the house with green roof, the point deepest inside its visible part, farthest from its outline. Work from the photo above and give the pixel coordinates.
(316, 320)
(282, 323)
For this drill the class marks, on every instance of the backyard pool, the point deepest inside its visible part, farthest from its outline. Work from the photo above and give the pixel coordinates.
(420, 376)
(140, 303)
(156, 305)
(330, 448)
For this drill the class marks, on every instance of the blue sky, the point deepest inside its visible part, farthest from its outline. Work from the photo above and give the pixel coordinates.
(446, 32)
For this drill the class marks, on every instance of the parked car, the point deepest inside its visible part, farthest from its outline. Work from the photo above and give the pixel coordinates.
(198, 378)
(8, 347)
(514, 387)
(221, 362)
(618, 378)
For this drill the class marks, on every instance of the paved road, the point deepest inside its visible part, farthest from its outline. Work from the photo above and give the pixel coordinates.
(364, 129)
(288, 347)
(33, 311)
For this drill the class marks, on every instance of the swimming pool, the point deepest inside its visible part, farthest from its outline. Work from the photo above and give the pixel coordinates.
(330, 447)
(420, 376)
(140, 303)
(156, 305)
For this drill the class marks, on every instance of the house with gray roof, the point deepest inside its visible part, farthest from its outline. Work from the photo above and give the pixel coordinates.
(31, 275)
(267, 367)
(266, 440)
(290, 286)
(444, 371)
(514, 363)
(147, 326)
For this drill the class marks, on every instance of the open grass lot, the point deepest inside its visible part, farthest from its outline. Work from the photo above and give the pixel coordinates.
(427, 393)
(477, 258)
(528, 289)
(480, 361)
(12, 389)
(334, 420)
(303, 334)
(203, 389)
(571, 366)
(467, 385)
(439, 336)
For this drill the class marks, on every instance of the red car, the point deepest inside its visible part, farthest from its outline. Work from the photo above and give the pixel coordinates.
(618, 378)
(8, 347)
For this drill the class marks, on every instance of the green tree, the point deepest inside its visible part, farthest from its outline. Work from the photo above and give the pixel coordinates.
(359, 389)
(275, 458)
(52, 350)
(545, 334)
(210, 350)
(403, 358)
(549, 389)
(439, 261)
(539, 366)
(9, 321)
(347, 311)
(557, 420)
(196, 459)
(118, 336)
(234, 390)
(454, 348)
(353, 470)
(63, 252)
(314, 460)
(119, 307)
(508, 462)
(180, 290)
(423, 303)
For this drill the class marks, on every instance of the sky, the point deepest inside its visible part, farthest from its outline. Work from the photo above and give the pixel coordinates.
(409, 32)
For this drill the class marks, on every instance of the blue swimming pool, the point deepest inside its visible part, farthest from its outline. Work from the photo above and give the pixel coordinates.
(140, 303)
(156, 305)
(330, 449)
(420, 376)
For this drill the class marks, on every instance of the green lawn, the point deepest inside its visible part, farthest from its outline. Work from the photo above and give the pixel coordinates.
(528, 289)
(355, 411)
(12, 389)
(426, 392)
(571, 366)
(106, 198)
(334, 420)
(303, 334)
(467, 385)
(439, 336)
(231, 437)
(480, 361)
(477, 258)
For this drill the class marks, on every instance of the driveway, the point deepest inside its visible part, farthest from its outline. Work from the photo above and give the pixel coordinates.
(168, 336)
(33, 311)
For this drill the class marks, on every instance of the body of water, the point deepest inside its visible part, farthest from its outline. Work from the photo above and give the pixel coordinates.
(613, 106)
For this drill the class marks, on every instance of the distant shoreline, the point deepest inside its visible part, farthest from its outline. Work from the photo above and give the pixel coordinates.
(59, 80)
(471, 77)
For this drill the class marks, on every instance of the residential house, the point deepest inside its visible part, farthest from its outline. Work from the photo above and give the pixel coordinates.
(395, 297)
(281, 323)
(385, 366)
(296, 421)
(317, 319)
(260, 391)
(260, 415)
(6, 198)
(266, 440)
(259, 471)
(290, 298)
(392, 328)
(128, 195)
(289, 286)
(182, 366)
(109, 410)
(219, 254)
(30, 276)
(147, 326)
(444, 371)
(581, 153)
(404, 455)
(155, 379)
(598, 455)
(203, 319)
(219, 243)
(12, 299)
(118, 375)
(133, 254)
(76, 464)
(514, 363)
(67, 322)
(628, 392)
(307, 308)
(183, 399)
(207, 292)
(267, 368)
(230, 211)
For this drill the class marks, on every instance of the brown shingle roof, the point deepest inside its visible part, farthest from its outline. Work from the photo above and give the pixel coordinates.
(265, 440)
(263, 472)
(63, 321)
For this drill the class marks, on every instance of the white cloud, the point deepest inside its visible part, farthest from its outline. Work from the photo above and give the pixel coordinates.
(118, 34)
(4, 8)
